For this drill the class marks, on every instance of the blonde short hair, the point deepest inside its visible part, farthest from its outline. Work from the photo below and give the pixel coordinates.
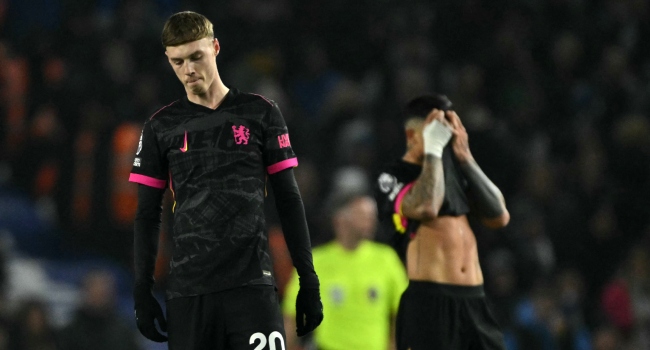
(184, 27)
(415, 123)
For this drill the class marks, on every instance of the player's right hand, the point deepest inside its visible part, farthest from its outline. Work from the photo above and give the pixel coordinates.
(147, 310)
(309, 310)
(436, 133)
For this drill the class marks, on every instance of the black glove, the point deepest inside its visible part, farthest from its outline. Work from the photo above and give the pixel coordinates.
(309, 310)
(147, 310)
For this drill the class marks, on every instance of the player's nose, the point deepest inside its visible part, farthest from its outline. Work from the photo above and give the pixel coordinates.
(189, 69)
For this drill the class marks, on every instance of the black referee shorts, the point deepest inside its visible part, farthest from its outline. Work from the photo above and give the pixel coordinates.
(241, 318)
(444, 316)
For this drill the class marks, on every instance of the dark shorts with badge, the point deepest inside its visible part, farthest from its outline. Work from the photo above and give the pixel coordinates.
(444, 316)
(241, 318)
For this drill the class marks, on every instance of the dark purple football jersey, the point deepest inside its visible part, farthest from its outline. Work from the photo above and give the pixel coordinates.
(215, 162)
(396, 179)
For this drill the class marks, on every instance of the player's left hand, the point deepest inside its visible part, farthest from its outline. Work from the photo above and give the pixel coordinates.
(309, 310)
(460, 140)
(147, 311)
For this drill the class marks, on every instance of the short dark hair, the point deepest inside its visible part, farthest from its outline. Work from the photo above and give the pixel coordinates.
(184, 27)
(341, 200)
(421, 106)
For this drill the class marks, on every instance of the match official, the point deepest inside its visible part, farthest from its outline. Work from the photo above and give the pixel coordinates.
(361, 280)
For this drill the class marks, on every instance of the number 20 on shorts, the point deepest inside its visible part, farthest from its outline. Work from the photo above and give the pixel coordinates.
(272, 337)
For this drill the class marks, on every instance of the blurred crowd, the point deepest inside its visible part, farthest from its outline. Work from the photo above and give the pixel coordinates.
(555, 95)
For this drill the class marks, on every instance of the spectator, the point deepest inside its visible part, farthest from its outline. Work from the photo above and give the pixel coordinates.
(608, 338)
(543, 323)
(626, 299)
(96, 325)
(34, 329)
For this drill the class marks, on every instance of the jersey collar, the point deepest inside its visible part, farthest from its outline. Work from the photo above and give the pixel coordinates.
(200, 108)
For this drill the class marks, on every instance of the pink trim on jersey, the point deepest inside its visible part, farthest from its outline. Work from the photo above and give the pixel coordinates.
(285, 164)
(146, 180)
(400, 196)
(153, 115)
(398, 204)
(264, 98)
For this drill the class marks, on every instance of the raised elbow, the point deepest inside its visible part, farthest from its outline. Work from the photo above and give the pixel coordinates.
(422, 209)
(498, 222)
(428, 212)
(422, 212)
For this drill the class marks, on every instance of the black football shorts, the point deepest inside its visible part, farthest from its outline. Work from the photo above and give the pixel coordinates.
(443, 316)
(236, 319)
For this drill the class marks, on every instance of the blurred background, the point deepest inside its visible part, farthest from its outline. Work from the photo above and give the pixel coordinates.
(555, 95)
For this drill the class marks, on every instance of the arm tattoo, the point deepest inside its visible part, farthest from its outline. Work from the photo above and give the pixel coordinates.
(424, 199)
(488, 197)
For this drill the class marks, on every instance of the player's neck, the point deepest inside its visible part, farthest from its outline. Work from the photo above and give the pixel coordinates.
(349, 243)
(213, 97)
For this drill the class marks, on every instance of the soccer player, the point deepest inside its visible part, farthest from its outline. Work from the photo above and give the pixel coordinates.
(362, 281)
(425, 196)
(215, 148)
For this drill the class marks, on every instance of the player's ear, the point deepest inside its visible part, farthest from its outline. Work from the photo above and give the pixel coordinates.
(217, 46)
(167, 55)
(410, 133)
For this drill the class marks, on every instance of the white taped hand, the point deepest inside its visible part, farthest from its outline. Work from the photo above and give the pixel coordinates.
(436, 136)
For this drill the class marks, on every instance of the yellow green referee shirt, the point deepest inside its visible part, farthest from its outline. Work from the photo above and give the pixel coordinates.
(360, 291)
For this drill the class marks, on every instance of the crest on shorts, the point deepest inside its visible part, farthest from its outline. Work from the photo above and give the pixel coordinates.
(241, 134)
